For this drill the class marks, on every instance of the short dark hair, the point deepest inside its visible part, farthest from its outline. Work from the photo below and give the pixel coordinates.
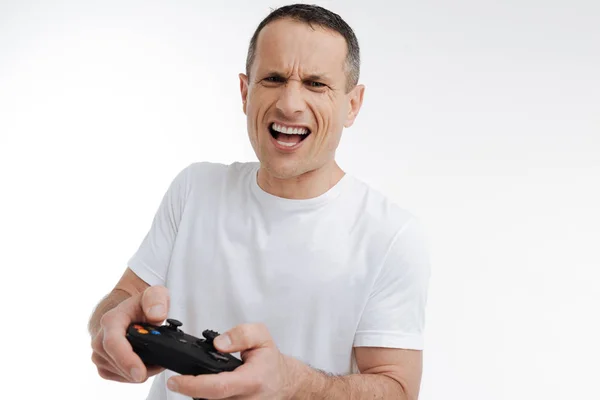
(319, 16)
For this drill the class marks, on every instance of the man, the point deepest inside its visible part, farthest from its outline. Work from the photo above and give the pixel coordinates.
(316, 279)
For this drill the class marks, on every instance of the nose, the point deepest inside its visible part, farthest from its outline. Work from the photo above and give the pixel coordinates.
(291, 101)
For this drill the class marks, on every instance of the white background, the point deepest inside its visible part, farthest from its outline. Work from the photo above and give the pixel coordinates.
(482, 117)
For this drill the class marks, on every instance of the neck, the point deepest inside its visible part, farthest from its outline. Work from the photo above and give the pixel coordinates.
(306, 186)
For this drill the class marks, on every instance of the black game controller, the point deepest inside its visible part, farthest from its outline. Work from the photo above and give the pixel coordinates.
(169, 347)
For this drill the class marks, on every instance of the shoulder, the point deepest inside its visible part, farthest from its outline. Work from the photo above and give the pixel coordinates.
(379, 210)
(396, 234)
(389, 229)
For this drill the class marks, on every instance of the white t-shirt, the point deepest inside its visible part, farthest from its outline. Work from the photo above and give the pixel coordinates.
(347, 268)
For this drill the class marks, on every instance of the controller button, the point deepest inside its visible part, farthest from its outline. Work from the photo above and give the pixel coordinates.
(155, 332)
(142, 331)
(217, 356)
(138, 327)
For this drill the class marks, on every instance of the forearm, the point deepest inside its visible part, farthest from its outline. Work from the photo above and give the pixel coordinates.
(113, 299)
(317, 385)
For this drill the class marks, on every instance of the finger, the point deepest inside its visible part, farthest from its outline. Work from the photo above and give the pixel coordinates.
(244, 337)
(110, 375)
(215, 386)
(104, 363)
(118, 348)
(101, 359)
(155, 304)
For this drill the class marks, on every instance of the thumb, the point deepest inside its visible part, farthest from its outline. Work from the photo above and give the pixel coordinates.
(244, 337)
(155, 304)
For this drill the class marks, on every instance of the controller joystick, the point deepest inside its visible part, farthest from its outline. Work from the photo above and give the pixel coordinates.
(210, 335)
(173, 324)
(171, 348)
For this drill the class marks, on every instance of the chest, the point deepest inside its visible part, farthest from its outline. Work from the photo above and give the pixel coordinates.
(279, 257)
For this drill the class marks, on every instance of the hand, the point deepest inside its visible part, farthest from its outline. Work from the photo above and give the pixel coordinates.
(112, 352)
(265, 374)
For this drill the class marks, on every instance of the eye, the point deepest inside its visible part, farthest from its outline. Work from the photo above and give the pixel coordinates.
(274, 79)
(315, 84)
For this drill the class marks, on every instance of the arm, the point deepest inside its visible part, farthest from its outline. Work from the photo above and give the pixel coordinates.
(385, 373)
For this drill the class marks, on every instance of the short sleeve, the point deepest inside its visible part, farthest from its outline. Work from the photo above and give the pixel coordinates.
(394, 315)
(151, 260)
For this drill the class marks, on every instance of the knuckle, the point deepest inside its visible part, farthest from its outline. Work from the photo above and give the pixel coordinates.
(262, 329)
(109, 341)
(96, 359)
(106, 319)
(105, 374)
(97, 345)
(245, 331)
(247, 334)
(157, 292)
(102, 362)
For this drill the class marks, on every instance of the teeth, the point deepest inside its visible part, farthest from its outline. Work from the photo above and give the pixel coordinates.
(290, 131)
(286, 144)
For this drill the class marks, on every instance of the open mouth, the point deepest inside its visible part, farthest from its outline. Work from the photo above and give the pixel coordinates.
(287, 136)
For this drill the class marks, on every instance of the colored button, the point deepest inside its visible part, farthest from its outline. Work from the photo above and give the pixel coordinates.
(155, 332)
(143, 331)
(138, 327)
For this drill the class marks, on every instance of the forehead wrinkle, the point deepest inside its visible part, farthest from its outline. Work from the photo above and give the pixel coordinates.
(305, 57)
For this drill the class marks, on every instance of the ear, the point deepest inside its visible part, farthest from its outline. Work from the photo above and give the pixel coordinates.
(244, 90)
(356, 98)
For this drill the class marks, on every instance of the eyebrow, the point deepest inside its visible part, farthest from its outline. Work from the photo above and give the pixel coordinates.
(312, 77)
(317, 77)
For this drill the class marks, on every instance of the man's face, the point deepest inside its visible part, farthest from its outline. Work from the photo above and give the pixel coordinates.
(295, 97)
